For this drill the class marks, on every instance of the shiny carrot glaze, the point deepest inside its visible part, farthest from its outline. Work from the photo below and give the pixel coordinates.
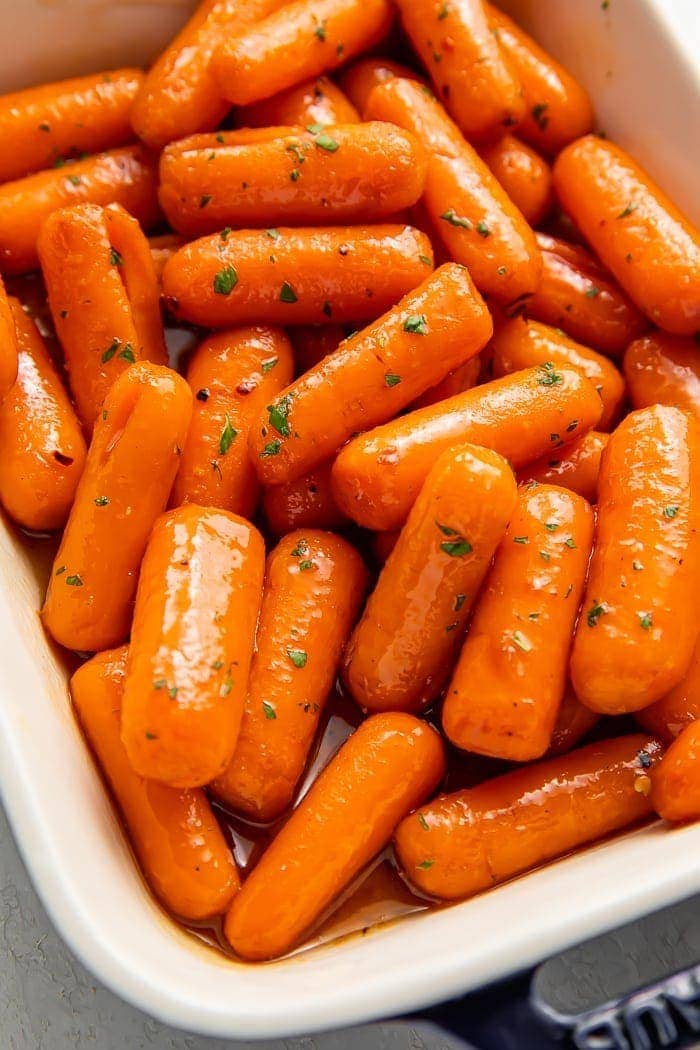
(636, 634)
(388, 766)
(373, 374)
(179, 845)
(359, 79)
(576, 467)
(104, 298)
(462, 378)
(469, 841)
(41, 125)
(317, 101)
(298, 649)
(404, 647)
(295, 276)
(129, 471)
(641, 236)
(305, 503)
(192, 640)
(510, 677)
(574, 721)
(664, 369)
(465, 202)
(681, 705)
(42, 448)
(676, 781)
(8, 344)
(126, 176)
(524, 175)
(378, 475)
(232, 375)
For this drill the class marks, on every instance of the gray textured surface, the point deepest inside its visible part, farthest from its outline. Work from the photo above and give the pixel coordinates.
(48, 1001)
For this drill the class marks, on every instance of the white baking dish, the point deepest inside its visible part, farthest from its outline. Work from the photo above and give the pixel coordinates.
(71, 842)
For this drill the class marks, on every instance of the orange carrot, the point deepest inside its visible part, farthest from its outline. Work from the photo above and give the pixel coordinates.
(576, 468)
(636, 634)
(8, 344)
(389, 765)
(317, 101)
(162, 247)
(574, 721)
(404, 647)
(675, 790)
(378, 475)
(305, 503)
(180, 847)
(664, 369)
(510, 678)
(472, 840)
(293, 669)
(192, 640)
(42, 449)
(359, 80)
(232, 375)
(130, 468)
(372, 375)
(524, 175)
(681, 705)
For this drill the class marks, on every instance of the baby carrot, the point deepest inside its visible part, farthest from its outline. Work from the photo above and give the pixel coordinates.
(404, 647)
(524, 175)
(8, 344)
(557, 108)
(104, 298)
(576, 468)
(577, 295)
(303, 177)
(378, 475)
(388, 766)
(130, 468)
(314, 342)
(474, 217)
(317, 101)
(299, 41)
(232, 375)
(636, 634)
(180, 95)
(462, 378)
(574, 721)
(650, 246)
(42, 449)
(675, 792)
(86, 114)
(305, 503)
(521, 344)
(192, 639)
(295, 276)
(663, 369)
(125, 176)
(455, 43)
(469, 841)
(179, 845)
(510, 677)
(668, 716)
(359, 79)
(372, 375)
(293, 670)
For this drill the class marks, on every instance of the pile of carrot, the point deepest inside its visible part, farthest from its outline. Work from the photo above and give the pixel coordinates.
(423, 446)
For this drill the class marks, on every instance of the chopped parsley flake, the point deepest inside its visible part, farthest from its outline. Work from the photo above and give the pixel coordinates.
(268, 708)
(547, 376)
(228, 436)
(391, 379)
(115, 257)
(297, 656)
(417, 324)
(594, 614)
(645, 620)
(74, 581)
(287, 293)
(225, 281)
(454, 219)
(278, 415)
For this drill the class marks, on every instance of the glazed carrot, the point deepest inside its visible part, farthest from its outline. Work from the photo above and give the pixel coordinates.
(456, 45)
(85, 114)
(378, 475)
(341, 174)
(104, 298)
(295, 276)
(672, 713)
(557, 108)
(314, 342)
(577, 295)
(130, 468)
(576, 468)
(317, 101)
(469, 841)
(180, 95)
(462, 378)
(510, 677)
(125, 176)
(675, 792)
(293, 670)
(664, 369)
(305, 503)
(372, 375)
(192, 639)
(388, 766)
(473, 215)
(180, 847)
(524, 175)
(649, 245)
(405, 645)
(162, 247)
(232, 375)
(636, 634)
(42, 449)
(299, 41)
(8, 344)
(521, 344)
(359, 80)
(574, 721)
